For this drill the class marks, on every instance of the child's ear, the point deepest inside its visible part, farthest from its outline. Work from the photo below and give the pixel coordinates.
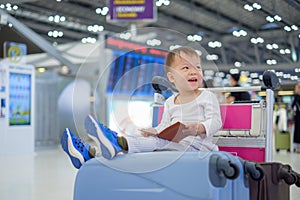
(170, 77)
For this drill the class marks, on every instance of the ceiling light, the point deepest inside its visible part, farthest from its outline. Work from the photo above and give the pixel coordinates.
(284, 93)
(234, 71)
(88, 40)
(260, 40)
(248, 7)
(272, 46)
(253, 40)
(41, 69)
(215, 44)
(194, 38)
(55, 33)
(237, 64)
(62, 18)
(238, 33)
(167, 2)
(57, 18)
(95, 28)
(125, 36)
(153, 42)
(159, 3)
(102, 11)
(256, 6)
(287, 51)
(257, 40)
(271, 62)
(287, 28)
(275, 46)
(269, 46)
(294, 78)
(294, 27)
(277, 18)
(254, 75)
(212, 57)
(279, 74)
(105, 10)
(64, 70)
(51, 18)
(270, 19)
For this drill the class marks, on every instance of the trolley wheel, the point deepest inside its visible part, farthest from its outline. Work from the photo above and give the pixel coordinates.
(290, 179)
(259, 173)
(232, 172)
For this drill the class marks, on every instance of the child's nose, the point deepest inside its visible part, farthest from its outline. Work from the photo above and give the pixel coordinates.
(193, 70)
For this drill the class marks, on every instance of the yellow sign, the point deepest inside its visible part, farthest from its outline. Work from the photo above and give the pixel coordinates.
(15, 52)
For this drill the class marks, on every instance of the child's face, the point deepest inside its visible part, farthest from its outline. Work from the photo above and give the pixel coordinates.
(186, 72)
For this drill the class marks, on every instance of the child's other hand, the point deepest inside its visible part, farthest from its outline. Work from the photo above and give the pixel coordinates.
(194, 129)
(146, 132)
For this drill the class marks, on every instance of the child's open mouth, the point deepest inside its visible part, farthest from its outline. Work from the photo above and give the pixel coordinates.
(192, 80)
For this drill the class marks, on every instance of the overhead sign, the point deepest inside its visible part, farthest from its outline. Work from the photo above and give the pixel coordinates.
(124, 45)
(132, 10)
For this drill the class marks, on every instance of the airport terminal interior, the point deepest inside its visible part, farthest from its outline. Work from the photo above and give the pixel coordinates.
(61, 60)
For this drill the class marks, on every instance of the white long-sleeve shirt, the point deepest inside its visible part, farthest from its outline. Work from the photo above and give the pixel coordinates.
(205, 109)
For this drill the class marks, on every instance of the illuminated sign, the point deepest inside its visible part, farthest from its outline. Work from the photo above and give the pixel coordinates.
(124, 45)
(132, 10)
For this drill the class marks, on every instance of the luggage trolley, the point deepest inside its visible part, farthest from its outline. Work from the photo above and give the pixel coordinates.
(251, 138)
(261, 140)
(159, 175)
(245, 130)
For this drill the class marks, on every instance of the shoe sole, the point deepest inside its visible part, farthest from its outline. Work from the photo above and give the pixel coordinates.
(96, 134)
(67, 145)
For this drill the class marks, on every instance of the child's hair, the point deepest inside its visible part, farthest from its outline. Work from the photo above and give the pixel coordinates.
(176, 52)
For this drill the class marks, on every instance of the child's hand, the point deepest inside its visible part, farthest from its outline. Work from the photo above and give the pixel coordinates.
(146, 132)
(194, 129)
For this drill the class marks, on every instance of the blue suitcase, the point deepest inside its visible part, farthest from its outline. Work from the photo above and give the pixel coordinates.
(247, 169)
(158, 175)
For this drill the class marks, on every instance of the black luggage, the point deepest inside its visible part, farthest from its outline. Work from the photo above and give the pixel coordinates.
(276, 183)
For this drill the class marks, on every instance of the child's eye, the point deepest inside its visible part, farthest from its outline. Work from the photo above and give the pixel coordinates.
(185, 67)
(199, 68)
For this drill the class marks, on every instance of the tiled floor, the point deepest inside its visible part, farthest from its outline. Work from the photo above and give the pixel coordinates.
(49, 175)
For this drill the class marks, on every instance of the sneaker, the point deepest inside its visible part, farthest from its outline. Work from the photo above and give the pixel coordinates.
(77, 150)
(106, 139)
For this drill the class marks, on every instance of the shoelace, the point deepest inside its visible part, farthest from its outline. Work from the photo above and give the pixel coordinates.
(79, 144)
(107, 130)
